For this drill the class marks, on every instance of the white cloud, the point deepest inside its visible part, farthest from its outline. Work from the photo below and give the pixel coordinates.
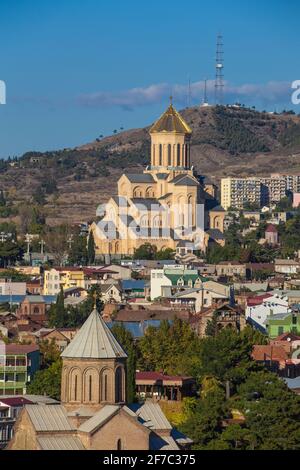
(270, 93)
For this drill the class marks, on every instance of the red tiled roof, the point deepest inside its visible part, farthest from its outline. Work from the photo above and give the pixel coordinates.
(271, 228)
(269, 352)
(16, 401)
(159, 376)
(258, 299)
(14, 348)
(285, 336)
(140, 315)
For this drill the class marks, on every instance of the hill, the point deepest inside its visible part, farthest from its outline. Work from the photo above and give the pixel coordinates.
(225, 141)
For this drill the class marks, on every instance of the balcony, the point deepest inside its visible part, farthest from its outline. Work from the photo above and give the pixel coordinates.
(11, 385)
(13, 368)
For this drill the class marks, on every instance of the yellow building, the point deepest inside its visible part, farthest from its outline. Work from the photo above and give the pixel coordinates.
(160, 206)
(65, 277)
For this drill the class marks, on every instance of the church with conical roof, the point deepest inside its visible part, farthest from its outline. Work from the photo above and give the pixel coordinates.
(159, 206)
(94, 413)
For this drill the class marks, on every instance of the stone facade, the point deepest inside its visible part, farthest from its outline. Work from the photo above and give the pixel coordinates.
(93, 383)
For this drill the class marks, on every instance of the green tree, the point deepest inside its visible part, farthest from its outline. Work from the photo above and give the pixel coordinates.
(145, 251)
(126, 340)
(78, 252)
(91, 249)
(47, 381)
(58, 316)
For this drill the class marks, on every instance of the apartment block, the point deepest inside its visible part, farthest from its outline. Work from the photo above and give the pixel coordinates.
(235, 192)
(18, 364)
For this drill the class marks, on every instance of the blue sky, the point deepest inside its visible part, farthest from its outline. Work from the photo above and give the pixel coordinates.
(76, 69)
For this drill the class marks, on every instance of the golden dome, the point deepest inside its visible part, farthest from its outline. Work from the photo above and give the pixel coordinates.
(171, 121)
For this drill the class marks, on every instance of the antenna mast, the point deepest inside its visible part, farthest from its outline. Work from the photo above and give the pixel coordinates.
(219, 82)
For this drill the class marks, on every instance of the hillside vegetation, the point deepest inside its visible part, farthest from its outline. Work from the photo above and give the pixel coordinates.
(70, 183)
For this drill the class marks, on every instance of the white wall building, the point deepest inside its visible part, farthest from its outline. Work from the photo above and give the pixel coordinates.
(262, 306)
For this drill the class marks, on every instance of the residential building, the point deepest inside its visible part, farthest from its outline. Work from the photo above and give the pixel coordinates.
(160, 386)
(271, 235)
(113, 293)
(226, 316)
(272, 190)
(176, 277)
(288, 322)
(18, 364)
(133, 289)
(231, 269)
(8, 287)
(260, 307)
(287, 266)
(55, 278)
(235, 192)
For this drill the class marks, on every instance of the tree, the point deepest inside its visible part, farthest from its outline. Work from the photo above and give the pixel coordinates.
(57, 242)
(145, 251)
(47, 381)
(10, 252)
(172, 348)
(126, 340)
(50, 353)
(58, 316)
(78, 252)
(91, 248)
(204, 421)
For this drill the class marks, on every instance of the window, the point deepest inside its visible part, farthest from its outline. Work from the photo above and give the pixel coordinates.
(280, 330)
(119, 444)
(169, 155)
(75, 388)
(90, 388)
(178, 155)
(160, 155)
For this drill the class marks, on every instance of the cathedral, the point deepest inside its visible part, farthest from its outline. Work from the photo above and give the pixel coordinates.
(162, 205)
(94, 413)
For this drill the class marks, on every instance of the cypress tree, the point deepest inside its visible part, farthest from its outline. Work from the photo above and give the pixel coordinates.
(91, 249)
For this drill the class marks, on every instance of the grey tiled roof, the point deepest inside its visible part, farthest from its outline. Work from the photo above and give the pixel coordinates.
(49, 417)
(151, 415)
(99, 418)
(60, 443)
(184, 180)
(140, 178)
(94, 340)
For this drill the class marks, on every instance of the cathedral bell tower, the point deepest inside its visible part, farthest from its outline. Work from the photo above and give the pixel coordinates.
(94, 367)
(170, 142)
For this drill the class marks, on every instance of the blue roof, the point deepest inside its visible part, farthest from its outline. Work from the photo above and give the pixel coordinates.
(293, 383)
(137, 329)
(130, 284)
(17, 299)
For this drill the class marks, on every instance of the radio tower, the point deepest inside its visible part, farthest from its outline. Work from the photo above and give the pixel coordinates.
(219, 83)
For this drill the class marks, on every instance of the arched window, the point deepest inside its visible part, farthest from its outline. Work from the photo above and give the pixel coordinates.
(178, 155)
(75, 388)
(169, 155)
(119, 444)
(160, 155)
(36, 310)
(104, 386)
(118, 385)
(90, 388)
